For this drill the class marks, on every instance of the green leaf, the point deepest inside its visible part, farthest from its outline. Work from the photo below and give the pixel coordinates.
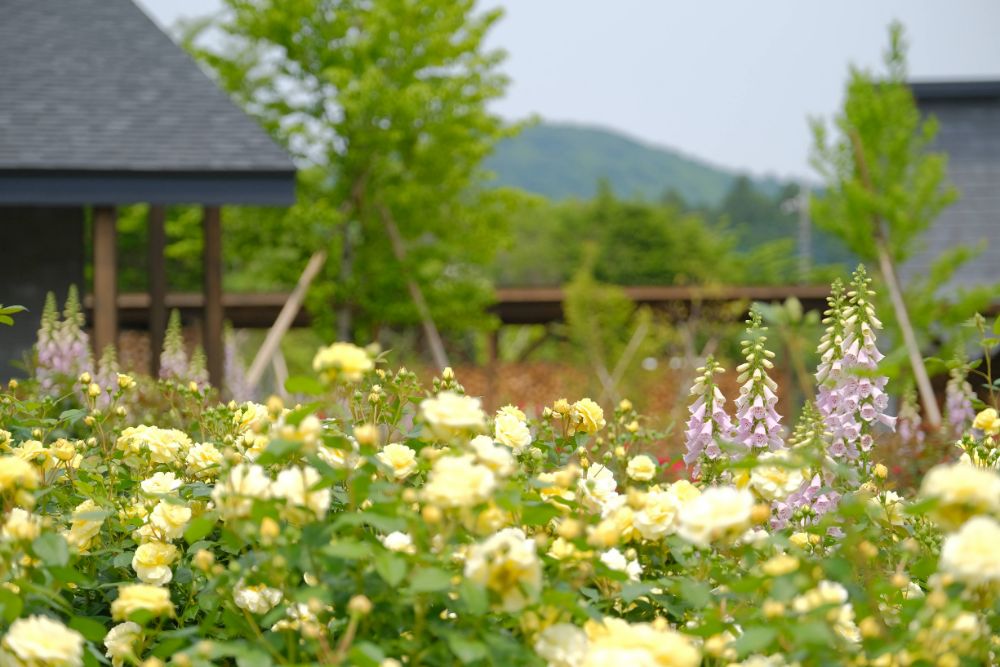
(11, 604)
(348, 549)
(51, 548)
(754, 639)
(390, 567)
(812, 632)
(635, 590)
(303, 384)
(538, 514)
(474, 596)
(90, 628)
(695, 593)
(124, 559)
(277, 450)
(429, 580)
(996, 325)
(366, 654)
(466, 650)
(199, 528)
(72, 416)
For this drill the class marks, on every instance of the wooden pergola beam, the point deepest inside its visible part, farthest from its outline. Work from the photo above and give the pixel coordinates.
(157, 286)
(105, 278)
(212, 331)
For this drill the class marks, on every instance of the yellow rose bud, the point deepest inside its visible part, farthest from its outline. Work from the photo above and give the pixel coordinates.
(269, 529)
(203, 560)
(773, 609)
(760, 513)
(867, 549)
(94, 390)
(84, 378)
(570, 529)
(360, 605)
(881, 471)
(869, 628)
(799, 539)
(367, 434)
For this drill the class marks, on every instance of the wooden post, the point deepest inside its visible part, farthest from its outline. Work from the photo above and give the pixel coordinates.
(888, 270)
(157, 286)
(285, 318)
(493, 368)
(416, 294)
(212, 340)
(105, 278)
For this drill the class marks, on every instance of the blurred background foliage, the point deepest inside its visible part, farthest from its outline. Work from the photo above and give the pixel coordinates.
(386, 107)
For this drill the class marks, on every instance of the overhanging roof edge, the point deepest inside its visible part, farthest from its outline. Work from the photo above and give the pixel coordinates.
(35, 187)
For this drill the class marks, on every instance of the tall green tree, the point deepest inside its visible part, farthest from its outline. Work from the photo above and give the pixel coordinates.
(389, 100)
(884, 187)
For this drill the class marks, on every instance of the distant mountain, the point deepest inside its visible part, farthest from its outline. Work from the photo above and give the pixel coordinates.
(561, 161)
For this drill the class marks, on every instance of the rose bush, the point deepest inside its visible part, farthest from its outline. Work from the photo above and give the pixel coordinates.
(382, 523)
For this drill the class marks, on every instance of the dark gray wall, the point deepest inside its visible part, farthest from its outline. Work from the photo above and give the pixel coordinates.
(41, 250)
(970, 134)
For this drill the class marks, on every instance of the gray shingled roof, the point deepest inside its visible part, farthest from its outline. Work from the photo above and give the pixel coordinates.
(95, 85)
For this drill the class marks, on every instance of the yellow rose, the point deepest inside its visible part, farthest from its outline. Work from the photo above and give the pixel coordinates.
(588, 415)
(233, 494)
(141, 597)
(151, 562)
(22, 525)
(988, 422)
(780, 564)
(962, 491)
(449, 415)
(170, 519)
(971, 554)
(718, 513)
(120, 642)
(342, 361)
(257, 599)
(40, 641)
(659, 514)
(296, 486)
(773, 478)
(203, 460)
(508, 566)
(511, 431)
(162, 445)
(87, 521)
(458, 481)
(496, 458)
(513, 411)
(160, 483)
(400, 459)
(617, 642)
(641, 468)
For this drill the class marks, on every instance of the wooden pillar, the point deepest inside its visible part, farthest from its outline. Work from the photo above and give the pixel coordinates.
(105, 278)
(157, 286)
(493, 368)
(212, 332)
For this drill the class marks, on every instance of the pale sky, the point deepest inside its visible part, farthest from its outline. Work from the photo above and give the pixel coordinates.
(731, 82)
